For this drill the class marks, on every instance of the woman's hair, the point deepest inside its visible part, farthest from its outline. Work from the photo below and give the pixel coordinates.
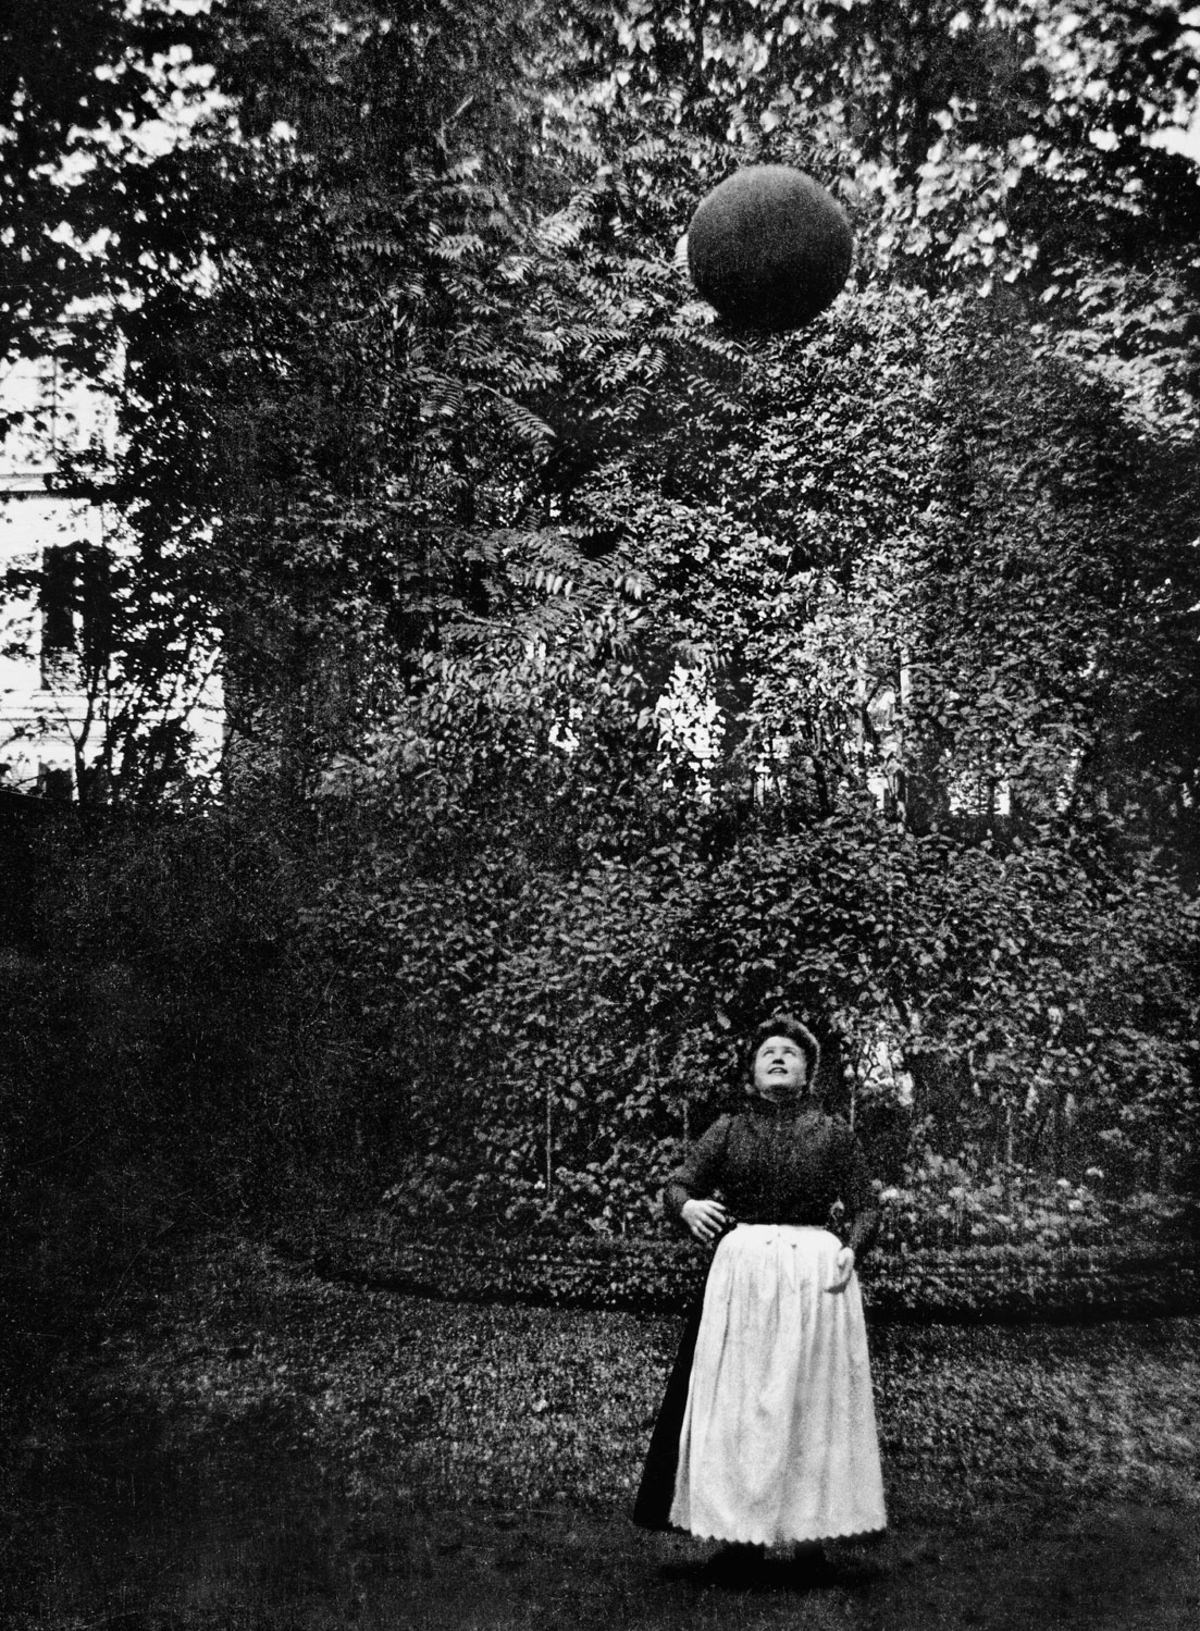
(788, 1025)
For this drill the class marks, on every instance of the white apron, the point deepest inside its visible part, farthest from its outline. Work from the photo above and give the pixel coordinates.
(778, 1441)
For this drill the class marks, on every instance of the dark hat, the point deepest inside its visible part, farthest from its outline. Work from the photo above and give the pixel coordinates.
(788, 1025)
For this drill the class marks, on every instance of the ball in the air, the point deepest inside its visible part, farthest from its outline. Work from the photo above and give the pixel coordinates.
(769, 247)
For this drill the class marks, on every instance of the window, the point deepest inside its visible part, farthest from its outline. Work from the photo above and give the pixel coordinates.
(58, 596)
(76, 620)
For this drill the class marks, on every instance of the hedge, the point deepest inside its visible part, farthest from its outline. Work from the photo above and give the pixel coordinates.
(1135, 1278)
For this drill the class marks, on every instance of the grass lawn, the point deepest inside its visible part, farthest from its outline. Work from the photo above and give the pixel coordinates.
(259, 1450)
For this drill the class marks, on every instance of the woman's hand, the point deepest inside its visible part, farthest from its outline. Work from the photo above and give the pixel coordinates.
(845, 1268)
(704, 1219)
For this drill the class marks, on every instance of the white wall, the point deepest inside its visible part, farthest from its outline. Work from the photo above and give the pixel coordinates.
(39, 723)
(48, 722)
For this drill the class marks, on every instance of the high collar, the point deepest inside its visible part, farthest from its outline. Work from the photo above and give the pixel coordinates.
(789, 1110)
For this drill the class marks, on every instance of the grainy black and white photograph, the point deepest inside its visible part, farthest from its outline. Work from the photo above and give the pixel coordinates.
(599, 815)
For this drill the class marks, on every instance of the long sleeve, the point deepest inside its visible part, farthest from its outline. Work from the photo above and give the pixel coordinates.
(862, 1207)
(700, 1171)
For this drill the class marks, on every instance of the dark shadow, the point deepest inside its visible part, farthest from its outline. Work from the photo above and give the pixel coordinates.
(750, 1569)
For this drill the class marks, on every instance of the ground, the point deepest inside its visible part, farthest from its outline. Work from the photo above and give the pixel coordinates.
(252, 1448)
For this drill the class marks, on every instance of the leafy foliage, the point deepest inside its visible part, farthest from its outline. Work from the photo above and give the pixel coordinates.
(603, 678)
(947, 1252)
(97, 196)
(607, 880)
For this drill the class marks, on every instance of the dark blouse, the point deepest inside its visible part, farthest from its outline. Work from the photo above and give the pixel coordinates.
(777, 1166)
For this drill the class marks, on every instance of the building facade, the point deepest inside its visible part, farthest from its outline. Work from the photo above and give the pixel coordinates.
(53, 552)
(65, 712)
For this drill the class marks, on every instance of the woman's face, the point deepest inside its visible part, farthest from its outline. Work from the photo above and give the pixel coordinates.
(780, 1069)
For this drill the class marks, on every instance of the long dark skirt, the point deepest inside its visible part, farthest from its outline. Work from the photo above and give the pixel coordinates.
(652, 1509)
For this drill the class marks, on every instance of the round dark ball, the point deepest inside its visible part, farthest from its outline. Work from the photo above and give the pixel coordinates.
(769, 247)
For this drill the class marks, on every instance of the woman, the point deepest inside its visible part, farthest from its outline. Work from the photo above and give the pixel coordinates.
(767, 1431)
